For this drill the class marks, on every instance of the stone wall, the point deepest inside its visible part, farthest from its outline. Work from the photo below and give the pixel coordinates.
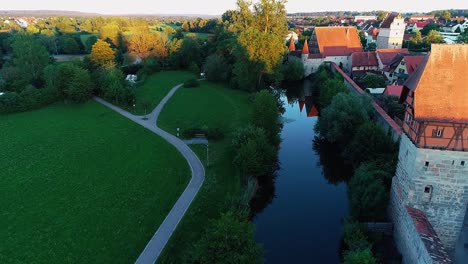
(406, 237)
(435, 182)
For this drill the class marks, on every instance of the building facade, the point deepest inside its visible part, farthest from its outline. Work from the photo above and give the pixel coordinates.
(430, 189)
(391, 32)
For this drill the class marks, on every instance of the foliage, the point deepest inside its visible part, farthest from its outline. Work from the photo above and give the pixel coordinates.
(85, 156)
(189, 53)
(113, 87)
(260, 40)
(339, 120)
(355, 235)
(369, 142)
(254, 154)
(190, 83)
(359, 257)
(102, 53)
(429, 27)
(266, 115)
(392, 107)
(373, 81)
(70, 81)
(30, 98)
(463, 38)
(150, 66)
(434, 37)
(293, 70)
(329, 89)
(29, 57)
(228, 240)
(90, 42)
(368, 197)
(144, 43)
(216, 69)
(110, 32)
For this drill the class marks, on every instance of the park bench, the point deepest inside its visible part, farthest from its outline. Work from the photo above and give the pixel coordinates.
(200, 135)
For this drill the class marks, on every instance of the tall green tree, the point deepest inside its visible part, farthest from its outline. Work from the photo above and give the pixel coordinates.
(228, 240)
(329, 89)
(359, 257)
(30, 57)
(266, 115)
(261, 28)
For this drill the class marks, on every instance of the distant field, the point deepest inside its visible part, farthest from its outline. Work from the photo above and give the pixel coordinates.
(157, 86)
(85, 37)
(81, 184)
(212, 105)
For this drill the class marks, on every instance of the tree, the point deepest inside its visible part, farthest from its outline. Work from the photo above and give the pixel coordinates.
(110, 31)
(434, 37)
(185, 26)
(70, 81)
(70, 46)
(188, 53)
(216, 69)
(368, 198)
(261, 29)
(293, 70)
(169, 30)
(355, 235)
(90, 42)
(254, 155)
(30, 57)
(266, 115)
(339, 120)
(373, 81)
(463, 38)
(178, 34)
(359, 257)
(329, 89)
(79, 87)
(427, 28)
(144, 43)
(102, 53)
(228, 240)
(360, 150)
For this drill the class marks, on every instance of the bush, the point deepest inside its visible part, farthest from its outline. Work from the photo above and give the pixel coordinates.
(293, 70)
(359, 257)
(29, 99)
(216, 69)
(191, 83)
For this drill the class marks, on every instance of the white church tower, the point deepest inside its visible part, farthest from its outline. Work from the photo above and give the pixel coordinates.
(391, 32)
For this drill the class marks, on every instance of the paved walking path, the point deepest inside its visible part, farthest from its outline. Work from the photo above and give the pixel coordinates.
(155, 246)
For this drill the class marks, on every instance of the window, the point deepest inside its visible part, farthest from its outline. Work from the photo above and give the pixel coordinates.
(408, 118)
(427, 189)
(439, 133)
(402, 62)
(401, 70)
(453, 162)
(462, 163)
(426, 164)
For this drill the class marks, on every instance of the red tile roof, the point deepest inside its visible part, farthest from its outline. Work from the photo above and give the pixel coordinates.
(421, 24)
(412, 63)
(292, 46)
(313, 112)
(337, 41)
(429, 237)
(368, 58)
(394, 90)
(305, 49)
(439, 84)
(389, 20)
(388, 55)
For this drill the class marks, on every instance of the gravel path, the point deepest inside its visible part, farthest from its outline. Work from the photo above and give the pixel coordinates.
(155, 246)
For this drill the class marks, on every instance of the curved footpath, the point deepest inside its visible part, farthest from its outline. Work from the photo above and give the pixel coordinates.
(155, 246)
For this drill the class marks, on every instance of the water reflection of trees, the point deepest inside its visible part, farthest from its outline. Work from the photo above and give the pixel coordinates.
(264, 195)
(334, 167)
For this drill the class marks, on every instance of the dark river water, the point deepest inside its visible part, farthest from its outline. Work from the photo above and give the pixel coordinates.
(298, 215)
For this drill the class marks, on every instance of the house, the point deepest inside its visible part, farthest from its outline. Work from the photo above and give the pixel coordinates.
(331, 44)
(429, 196)
(449, 37)
(391, 32)
(452, 27)
(419, 17)
(393, 90)
(417, 26)
(405, 68)
(359, 19)
(388, 60)
(371, 35)
(364, 61)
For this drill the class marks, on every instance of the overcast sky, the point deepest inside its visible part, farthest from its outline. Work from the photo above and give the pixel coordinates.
(216, 7)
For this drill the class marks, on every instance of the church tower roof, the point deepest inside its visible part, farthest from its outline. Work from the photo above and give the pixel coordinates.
(305, 49)
(292, 46)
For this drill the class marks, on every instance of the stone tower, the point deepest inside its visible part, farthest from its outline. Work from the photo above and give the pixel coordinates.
(430, 189)
(391, 32)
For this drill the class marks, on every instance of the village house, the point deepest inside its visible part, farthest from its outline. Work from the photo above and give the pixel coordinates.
(429, 193)
(330, 44)
(388, 59)
(418, 17)
(403, 68)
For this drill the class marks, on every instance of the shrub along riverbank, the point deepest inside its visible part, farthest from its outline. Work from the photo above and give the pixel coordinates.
(347, 121)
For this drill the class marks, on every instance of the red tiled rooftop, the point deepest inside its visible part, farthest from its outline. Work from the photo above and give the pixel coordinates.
(368, 58)
(337, 41)
(389, 20)
(394, 90)
(388, 55)
(439, 84)
(412, 62)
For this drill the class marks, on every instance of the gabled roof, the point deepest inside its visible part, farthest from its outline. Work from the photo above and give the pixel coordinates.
(439, 84)
(394, 90)
(337, 41)
(386, 56)
(412, 62)
(366, 58)
(421, 24)
(389, 20)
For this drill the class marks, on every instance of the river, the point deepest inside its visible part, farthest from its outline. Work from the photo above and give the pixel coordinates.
(298, 215)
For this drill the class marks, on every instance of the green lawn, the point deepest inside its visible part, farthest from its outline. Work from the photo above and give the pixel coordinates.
(212, 105)
(81, 184)
(157, 86)
(85, 37)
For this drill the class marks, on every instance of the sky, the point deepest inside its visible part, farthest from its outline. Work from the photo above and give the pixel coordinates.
(217, 7)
